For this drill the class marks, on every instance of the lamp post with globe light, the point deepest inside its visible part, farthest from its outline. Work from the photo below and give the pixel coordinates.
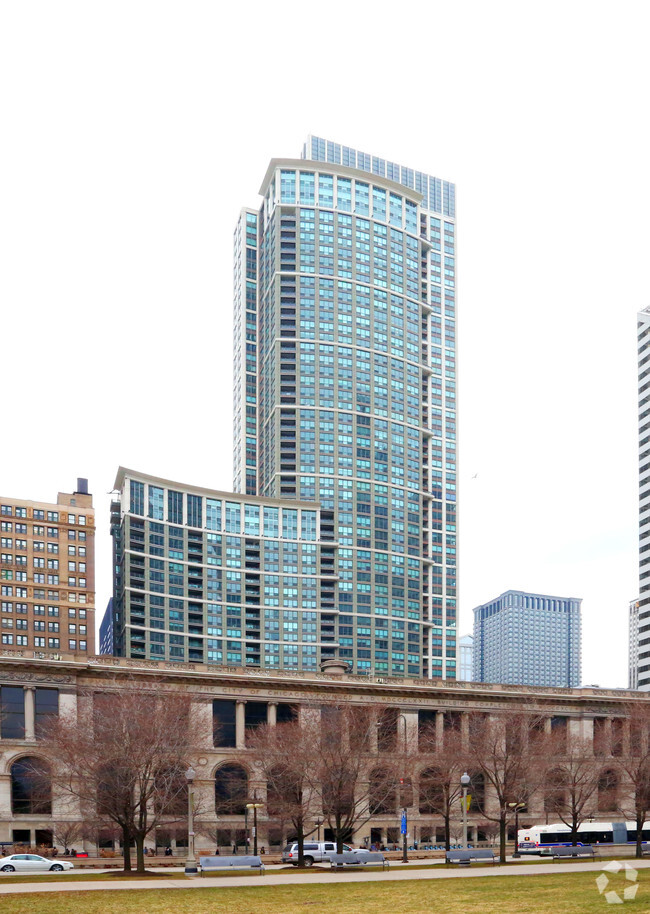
(464, 783)
(190, 863)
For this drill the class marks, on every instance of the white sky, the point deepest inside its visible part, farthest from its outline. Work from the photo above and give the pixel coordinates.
(132, 132)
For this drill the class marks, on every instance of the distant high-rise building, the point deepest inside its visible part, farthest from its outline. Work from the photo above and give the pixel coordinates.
(47, 573)
(466, 658)
(215, 577)
(642, 650)
(528, 639)
(633, 663)
(106, 645)
(345, 387)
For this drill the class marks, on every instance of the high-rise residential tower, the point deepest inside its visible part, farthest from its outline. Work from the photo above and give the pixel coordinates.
(528, 639)
(633, 646)
(642, 652)
(48, 574)
(345, 387)
(220, 578)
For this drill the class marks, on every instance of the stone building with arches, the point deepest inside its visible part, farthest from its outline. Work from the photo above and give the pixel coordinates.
(230, 702)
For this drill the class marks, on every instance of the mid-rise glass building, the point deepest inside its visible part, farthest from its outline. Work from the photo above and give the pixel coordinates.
(528, 639)
(221, 578)
(345, 387)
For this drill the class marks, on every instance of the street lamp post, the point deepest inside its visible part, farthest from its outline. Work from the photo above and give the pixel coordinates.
(402, 782)
(517, 807)
(464, 783)
(254, 807)
(319, 822)
(190, 863)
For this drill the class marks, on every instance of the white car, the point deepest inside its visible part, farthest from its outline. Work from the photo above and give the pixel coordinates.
(32, 863)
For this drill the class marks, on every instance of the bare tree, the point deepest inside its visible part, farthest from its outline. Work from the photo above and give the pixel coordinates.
(125, 758)
(490, 830)
(67, 833)
(281, 755)
(503, 748)
(571, 783)
(439, 782)
(345, 771)
(635, 764)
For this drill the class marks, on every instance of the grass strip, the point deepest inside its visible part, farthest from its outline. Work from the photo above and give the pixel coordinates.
(561, 893)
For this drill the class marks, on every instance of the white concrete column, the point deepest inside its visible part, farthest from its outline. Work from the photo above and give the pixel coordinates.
(272, 713)
(30, 712)
(409, 730)
(574, 728)
(588, 731)
(464, 730)
(440, 730)
(240, 724)
(202, 724)
(5, 801)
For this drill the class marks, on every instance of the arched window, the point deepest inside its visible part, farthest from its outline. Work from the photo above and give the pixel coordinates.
(382, 798)
(31, 787)
(230, 790)
(607, 790)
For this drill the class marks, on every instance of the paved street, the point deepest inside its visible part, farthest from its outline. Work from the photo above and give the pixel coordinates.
(278, 878)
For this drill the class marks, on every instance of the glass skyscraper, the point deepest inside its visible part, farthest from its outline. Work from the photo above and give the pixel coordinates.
(345, 387)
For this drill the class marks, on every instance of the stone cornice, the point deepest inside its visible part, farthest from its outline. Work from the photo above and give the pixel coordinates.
(314, 687)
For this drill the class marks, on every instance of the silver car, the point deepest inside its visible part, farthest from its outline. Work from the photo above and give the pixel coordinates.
(315, 852)
(32, 863)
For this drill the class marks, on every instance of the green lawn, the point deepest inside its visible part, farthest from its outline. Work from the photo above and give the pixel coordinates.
(571, 893)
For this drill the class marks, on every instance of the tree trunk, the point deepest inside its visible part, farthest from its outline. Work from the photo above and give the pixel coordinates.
(502, 838)
(447, 832)
(339, 836)
(301, 846)
(639, 836)
(574, 833)
(139, 853)
(126, 841)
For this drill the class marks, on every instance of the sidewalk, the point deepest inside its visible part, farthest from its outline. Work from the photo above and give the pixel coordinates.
(313, 878)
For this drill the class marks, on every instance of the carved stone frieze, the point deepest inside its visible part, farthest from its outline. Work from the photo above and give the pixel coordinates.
(26, 676)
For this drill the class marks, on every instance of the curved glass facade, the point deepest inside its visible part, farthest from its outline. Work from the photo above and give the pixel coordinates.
(355, 394)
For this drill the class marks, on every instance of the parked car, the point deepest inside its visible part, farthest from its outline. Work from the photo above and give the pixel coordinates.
(315, 852)
(32, 863)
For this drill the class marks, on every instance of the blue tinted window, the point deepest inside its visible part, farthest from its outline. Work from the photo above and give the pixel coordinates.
(326, 190)
(156, 503)
(175, 507)
(233, 517)
(288, 186)
(194, 518)
(212, 514)
(137, 498)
